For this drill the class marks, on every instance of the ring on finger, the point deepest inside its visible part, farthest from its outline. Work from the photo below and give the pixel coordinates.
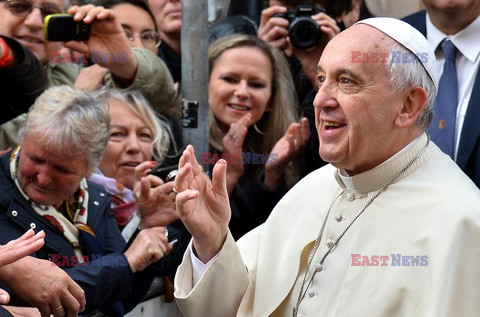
(175, 191)
(57, 309)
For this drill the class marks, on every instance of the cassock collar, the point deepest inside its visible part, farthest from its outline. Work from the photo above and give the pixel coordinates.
(378, 177)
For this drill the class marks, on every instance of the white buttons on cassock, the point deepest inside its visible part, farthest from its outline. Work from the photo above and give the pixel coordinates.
(350, 197)
(33, 225)
(96, 203)
(330, 243)
(312, 292)
(14, 213)
(102, 194)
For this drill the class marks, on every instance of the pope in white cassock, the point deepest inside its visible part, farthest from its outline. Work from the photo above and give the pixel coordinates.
(390, 228)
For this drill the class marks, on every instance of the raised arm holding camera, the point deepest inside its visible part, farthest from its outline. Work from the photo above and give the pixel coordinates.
(108, 38)
(300, 31)
(108, 45)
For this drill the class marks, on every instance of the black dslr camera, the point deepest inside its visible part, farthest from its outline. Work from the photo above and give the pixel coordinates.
(303, 31)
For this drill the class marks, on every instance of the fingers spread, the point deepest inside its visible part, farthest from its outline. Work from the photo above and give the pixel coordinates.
(219, 178)
(184, 178)
(196, 168)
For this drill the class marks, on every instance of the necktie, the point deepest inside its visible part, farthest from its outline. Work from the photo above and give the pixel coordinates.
(442, 128)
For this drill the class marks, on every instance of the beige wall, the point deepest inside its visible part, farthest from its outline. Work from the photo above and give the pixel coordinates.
(393, 8)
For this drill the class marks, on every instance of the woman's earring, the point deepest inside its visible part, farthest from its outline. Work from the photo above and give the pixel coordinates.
(258, 130)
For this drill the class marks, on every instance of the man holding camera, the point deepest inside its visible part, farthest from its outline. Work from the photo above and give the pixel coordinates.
(301, 29)
(23, 20)
(275, 24)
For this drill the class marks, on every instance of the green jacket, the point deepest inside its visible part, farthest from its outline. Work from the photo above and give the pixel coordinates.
(152, 79)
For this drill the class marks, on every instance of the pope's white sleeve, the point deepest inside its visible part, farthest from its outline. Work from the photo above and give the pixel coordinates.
(199, 268)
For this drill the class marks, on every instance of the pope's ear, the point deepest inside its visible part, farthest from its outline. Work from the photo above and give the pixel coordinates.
(414, 102)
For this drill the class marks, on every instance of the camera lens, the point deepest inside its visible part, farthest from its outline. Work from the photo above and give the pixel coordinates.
(304, 32)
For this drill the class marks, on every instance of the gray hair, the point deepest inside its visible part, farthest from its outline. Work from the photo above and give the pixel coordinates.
(69, 122)
(408, 74)
(162, 133)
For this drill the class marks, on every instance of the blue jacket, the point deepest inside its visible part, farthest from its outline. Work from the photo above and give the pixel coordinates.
(468, 156)
(103, 284)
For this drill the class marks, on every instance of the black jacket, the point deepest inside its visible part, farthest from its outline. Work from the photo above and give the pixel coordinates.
(103, 284)
(20, 83)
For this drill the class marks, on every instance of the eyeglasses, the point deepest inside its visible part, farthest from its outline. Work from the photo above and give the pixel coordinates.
(22, 8)
(148, 38)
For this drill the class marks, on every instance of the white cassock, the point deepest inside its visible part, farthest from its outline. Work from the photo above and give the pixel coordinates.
(424, 228)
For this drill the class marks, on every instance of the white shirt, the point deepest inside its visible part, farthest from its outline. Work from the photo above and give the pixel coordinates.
(467, 62)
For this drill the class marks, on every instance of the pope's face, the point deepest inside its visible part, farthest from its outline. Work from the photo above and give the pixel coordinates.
(355, 106)
(49, 178)
(27, 27)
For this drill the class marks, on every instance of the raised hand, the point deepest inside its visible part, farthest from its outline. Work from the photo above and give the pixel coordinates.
(232, 146)
(274, 30)
(149, 246)
(90, 78)
(107, 38)
(309, 58)
(16, 249)
(285, 150)
(155, 200)
(203, 204)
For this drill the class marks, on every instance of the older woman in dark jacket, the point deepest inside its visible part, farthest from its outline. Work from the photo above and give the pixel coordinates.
(45, 187)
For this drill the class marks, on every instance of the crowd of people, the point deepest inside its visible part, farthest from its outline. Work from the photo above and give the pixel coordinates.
(324, 163)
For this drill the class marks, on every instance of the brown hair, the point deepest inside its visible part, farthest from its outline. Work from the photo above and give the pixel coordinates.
(282, 109)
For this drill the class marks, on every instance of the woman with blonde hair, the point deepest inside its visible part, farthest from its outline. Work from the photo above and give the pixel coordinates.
(253, 109)
(137, 135)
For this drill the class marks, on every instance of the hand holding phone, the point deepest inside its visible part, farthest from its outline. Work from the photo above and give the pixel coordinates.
(63, 28)
(106, 37)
